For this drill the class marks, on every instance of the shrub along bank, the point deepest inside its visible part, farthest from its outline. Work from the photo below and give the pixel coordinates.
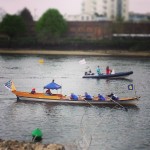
(77, 44)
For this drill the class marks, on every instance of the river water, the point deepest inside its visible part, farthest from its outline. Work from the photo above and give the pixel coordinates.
(76, 127)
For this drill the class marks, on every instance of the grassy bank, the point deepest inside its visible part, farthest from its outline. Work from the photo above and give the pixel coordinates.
(79, 53)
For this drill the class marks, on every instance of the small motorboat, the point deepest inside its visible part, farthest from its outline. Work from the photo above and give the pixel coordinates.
(107, 76)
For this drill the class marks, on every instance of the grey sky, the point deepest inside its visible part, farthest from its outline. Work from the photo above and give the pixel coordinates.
(38, 7)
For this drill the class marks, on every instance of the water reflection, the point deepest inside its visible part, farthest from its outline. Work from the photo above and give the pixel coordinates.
(120, 79)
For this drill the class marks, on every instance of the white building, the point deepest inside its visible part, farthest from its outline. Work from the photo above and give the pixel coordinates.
(108, 9)
(95, 10)
(91, 11)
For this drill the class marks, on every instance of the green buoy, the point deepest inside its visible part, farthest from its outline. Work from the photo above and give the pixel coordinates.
(37, 135)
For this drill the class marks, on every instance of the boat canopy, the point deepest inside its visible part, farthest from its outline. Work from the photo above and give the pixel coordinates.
(52, 86)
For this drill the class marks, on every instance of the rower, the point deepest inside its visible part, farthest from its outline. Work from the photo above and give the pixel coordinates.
(87, 96)
(73, 97)
(33, 91)
(101, 97)
(113, 96)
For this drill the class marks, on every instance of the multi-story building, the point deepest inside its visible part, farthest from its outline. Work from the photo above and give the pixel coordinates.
(92, 10)
(106, 9)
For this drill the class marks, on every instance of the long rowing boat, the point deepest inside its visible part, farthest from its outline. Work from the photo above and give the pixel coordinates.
(63, 99)
(59, 98)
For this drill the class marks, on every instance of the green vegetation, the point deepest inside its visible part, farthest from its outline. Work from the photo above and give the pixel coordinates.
(28, 20)
(120, 19)
(51, 32)
(26, 15)
(50, 26)
(12, 26)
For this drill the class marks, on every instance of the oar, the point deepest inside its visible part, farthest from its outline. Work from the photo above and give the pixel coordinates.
(33, 139)
(119, 104)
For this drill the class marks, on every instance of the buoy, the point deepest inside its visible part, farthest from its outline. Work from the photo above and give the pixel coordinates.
(37, 135)
(41, 61)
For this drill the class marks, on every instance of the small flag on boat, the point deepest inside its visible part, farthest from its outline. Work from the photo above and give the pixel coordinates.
(82, 62)
(130, 87)
(10, 86)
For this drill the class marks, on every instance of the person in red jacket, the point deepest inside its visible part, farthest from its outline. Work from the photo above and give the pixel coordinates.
(108, 71)
(48, 92)
(33, 91)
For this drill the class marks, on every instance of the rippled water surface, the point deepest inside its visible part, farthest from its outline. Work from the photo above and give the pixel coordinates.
(76, 127)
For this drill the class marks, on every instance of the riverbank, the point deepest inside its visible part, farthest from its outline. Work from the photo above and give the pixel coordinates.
(80, 53)
(16, 145)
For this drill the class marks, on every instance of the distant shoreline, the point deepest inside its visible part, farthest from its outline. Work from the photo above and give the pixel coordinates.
(80, 52)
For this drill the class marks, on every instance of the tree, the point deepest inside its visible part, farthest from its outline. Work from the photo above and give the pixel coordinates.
(26, 15)
(28, 20)
(12, 25)
(51, 26)
(119, 19)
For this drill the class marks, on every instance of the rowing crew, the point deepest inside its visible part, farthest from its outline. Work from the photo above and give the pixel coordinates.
(89, 97)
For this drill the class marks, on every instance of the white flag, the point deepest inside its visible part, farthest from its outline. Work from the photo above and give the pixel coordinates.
(82, 62)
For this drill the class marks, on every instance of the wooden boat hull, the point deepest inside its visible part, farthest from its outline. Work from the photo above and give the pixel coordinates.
(60, 99)
(104, 76)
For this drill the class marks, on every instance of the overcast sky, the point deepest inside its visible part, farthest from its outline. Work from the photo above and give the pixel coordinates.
(38, 7)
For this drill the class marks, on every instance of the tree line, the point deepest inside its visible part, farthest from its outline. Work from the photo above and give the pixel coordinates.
(51, 32)
(50, 27)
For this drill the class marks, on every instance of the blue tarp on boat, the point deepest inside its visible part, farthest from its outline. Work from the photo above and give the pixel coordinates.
(53, 86)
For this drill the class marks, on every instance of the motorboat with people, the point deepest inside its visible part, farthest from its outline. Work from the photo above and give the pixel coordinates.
(107, 76)
(64, 99)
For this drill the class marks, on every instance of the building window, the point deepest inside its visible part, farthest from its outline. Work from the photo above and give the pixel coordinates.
(124, 10)
(105, 7)
(94, 2)
(112, 17)
(94, 9)
(82, 18)
(105, 14)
